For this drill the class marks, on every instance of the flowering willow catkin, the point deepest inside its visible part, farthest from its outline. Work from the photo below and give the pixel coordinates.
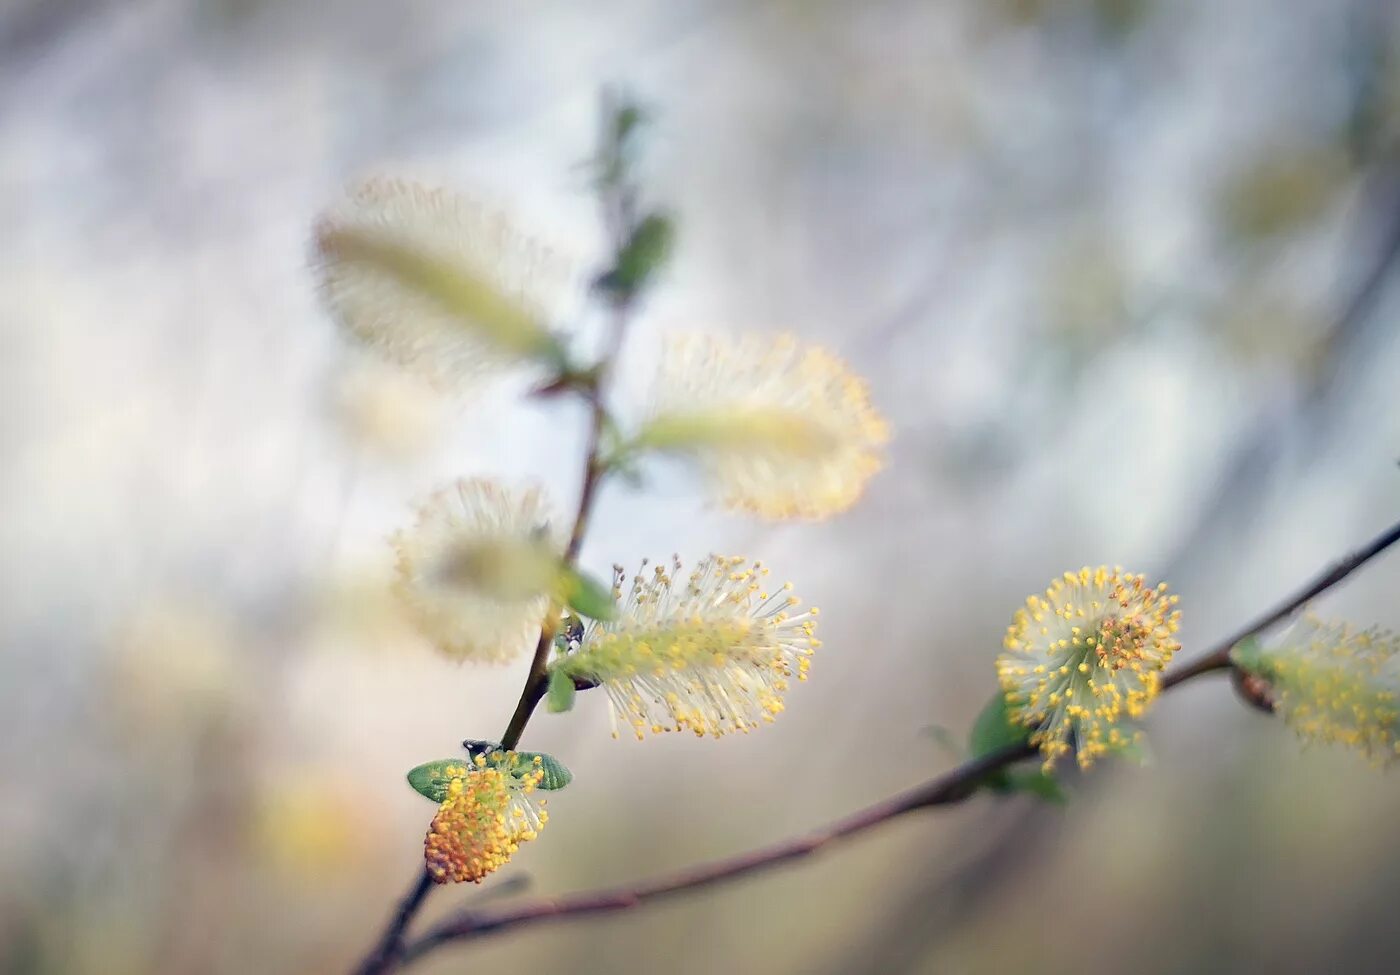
(423, 277)
(711, 652)
(477, 569)
(487, 814)
(1333, 684)
(782, 429)
(1086, 658)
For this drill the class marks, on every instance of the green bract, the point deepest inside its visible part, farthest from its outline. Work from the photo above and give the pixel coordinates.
(994, 730)
(560, 695)
(433, 780)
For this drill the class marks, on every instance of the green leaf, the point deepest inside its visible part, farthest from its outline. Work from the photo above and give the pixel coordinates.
(586, 595)
(645, 252)
(560, 695)
(556, 776)
(432, 779)
(994, 730)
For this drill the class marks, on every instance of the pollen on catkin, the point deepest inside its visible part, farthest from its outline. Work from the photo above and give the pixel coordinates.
(711, 652)
(780, 428)
(1336, 684)
(489, 811)
(476, 570)
(432, 281)
(1086, 658)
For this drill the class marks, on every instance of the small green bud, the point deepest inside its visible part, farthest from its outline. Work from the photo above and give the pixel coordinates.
(627, 122)
(1248, 655)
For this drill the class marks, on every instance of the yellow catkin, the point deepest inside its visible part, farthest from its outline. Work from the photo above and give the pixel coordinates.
(1084, 659)
(433, 281)
(782, 429)
(713, 652)
(473, 572)
(1337, 685)
(489, 811)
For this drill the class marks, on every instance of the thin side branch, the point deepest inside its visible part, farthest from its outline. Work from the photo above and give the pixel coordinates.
(538, 677)
(953, 786)
(595, 467)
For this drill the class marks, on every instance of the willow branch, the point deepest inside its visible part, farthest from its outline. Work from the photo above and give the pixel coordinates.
(595, 466)
(388, 952)
(538, 677)
(954, 786)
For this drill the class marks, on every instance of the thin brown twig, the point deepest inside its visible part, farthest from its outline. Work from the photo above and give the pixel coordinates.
(617, 214)
(1315, 410)
(1219, 657)
(388, 952)
(538, 677)
(953, 786)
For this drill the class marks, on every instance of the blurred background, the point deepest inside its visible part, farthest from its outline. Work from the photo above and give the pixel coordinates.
(1118, 270)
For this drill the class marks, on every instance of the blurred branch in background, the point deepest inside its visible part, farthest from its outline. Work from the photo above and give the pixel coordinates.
(1305, 423)
(955, 786)
(1251, 293)
(922, 915)
(939, 903)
